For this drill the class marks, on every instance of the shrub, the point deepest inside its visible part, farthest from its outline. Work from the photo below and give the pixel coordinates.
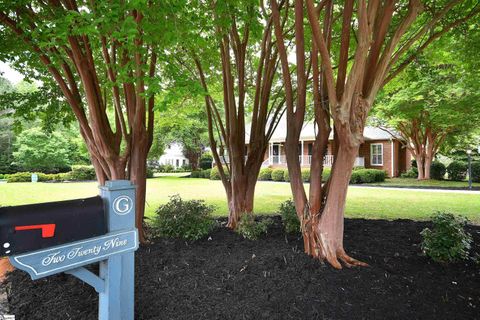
(82, 173)
(355, 178)
(186, 219)
(265, 174)
(289, 217)
(206, 161)
(306, 175)
(251, 229)
(326, 174)
(168, 168)
(206, 173)
(196, 174)
(278, 175)
(411, 173)
(286, 176)
(149, 173)
(2, 176)
(215, 174)
(447, 241)
(367, 176)
(476, 171)
(437, 170)
(19, 177)
(457, 170)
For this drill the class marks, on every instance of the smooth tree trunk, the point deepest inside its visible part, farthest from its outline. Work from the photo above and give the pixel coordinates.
(343, 95)
(118, 147)
(227, 129)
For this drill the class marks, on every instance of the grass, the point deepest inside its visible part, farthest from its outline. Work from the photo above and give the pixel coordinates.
(372, 203)
(405, 182)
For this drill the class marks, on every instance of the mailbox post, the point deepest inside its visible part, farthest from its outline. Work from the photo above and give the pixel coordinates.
(114, 251)
(118, 271)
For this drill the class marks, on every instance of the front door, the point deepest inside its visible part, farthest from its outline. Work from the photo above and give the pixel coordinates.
(276, 154)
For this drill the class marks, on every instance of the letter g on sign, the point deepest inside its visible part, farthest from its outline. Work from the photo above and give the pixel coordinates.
(122, 205)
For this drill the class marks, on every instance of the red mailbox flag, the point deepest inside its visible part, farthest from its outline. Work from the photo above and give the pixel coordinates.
(48, 230)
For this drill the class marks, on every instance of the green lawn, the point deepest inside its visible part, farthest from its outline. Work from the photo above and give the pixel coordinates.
(403, 182)
(362, 202)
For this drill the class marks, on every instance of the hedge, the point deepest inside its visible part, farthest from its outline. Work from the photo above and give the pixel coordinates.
(306, 175)
(82, 173)
(278, 175)
(476, 171)
(457, 170)
(215, 175)
(367, 176)
(265, 174)
(437, 170)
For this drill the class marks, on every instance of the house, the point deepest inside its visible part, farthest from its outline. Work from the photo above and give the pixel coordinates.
(173, 155)
(380, 150)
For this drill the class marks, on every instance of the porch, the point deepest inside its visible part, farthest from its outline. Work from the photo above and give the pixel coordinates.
(281, 160)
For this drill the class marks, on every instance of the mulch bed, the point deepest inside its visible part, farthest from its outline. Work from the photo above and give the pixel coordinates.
(227, 277)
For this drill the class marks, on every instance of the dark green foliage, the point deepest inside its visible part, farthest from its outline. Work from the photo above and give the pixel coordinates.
(457, 170)
(149, 173)
(206, 173)
(411, 173)
(82, 173)
(306, 175)
(215, 174)
(196, 174)
(278, 175)
(251, 229)
(476, 171)
(367, 176)
(289, 217)
(265, 174)
(206, 161)
(447, 241)
(186, 219)
(437, 170)
(286, 176)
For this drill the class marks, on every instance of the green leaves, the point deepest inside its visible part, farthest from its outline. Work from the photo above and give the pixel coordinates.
(447, 241)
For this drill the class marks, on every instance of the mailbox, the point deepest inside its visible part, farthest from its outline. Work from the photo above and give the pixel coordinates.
(33, 227)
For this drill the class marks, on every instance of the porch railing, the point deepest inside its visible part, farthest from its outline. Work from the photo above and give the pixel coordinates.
(304, 160)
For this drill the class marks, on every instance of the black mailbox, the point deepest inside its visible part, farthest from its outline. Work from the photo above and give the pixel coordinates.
(33, 227)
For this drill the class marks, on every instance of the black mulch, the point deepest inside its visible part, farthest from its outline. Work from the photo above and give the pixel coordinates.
(227, 277)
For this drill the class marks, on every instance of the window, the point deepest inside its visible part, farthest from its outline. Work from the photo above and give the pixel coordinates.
(376, 154)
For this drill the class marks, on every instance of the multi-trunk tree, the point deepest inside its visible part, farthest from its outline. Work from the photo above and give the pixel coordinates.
(103, 56)
(355, 48)
(429, 103)
(235, 62)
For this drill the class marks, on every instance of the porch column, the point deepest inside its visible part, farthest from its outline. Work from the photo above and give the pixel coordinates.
(301, 151)
(270, 147)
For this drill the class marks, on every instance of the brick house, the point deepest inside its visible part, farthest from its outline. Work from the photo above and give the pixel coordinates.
(379, 151)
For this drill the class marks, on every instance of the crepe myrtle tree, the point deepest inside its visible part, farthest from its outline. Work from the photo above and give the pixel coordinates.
(103, 57)
(355, 48)
(235, 61)
(429, 103)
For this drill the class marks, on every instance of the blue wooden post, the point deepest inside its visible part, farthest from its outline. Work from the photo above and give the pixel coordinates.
(114, 251)
(116, 302)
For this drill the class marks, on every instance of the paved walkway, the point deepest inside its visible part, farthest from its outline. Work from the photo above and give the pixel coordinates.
(419, 189)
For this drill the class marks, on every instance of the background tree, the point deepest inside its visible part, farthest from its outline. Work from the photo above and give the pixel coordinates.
(38, 151)
(184, 123)
(7, 137)
(230, 47)
(376, 41)
(103, 58)
(428, 104)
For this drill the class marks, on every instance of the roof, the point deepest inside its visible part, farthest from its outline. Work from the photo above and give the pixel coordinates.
(309, 130)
